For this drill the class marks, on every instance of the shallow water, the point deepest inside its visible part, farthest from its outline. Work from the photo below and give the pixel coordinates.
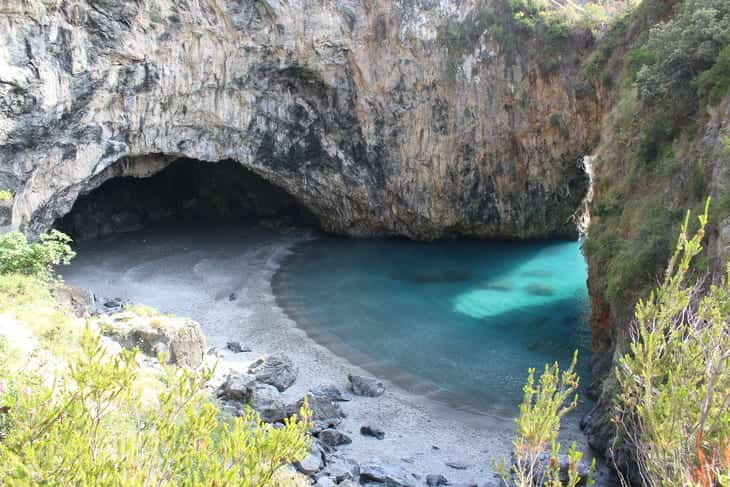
(459, 321)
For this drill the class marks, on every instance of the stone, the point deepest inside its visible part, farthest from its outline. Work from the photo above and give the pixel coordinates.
(313, 462)
(266, 400)
(325, 412)
(237, 387)
(232, 297)
(276, 370)
(180, 338)
(236, 347)
(366, 386)
(435, 480)
(80, 301)
(325, 482)
(457, 465)
(376, 471)
(372, 431)
(328, 391)
(333, 438)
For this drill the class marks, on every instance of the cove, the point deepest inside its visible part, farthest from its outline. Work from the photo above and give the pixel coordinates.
(459, 321)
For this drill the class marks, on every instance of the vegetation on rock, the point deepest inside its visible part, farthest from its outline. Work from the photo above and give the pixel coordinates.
(5, 195)
(674, 379)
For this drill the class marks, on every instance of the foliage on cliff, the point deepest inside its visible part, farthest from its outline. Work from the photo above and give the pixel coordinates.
(674, 380)
(651, 163)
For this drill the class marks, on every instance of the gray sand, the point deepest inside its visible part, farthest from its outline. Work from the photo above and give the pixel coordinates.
(192, 271)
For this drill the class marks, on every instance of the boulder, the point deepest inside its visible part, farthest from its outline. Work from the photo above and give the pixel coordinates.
(276, 370)
(313, 462)
(372, 431)
(237, 387)
(375, 471)
(325, 412)
(332, 438)
(154, 333)
(78, 300)
(329, 391)
(266, 400)
(236, 347)
(366, 386)
(435, 480)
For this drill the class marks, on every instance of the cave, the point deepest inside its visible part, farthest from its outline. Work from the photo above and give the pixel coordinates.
(186, 191)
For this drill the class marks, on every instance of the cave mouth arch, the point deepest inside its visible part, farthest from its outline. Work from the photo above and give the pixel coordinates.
(185, 191)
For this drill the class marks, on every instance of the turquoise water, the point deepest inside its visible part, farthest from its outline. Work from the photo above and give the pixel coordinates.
(459, 321)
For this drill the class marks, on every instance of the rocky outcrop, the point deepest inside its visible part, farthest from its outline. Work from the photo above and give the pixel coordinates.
(382, 118)
(154, 333)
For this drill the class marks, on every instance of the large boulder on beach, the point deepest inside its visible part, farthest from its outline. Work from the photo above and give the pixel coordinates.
(313, 462)
(332, 438)
(154, 333)
(366, 386)
(325, 412)
(277, 370)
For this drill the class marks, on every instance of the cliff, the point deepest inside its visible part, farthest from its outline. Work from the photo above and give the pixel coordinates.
(383, 118)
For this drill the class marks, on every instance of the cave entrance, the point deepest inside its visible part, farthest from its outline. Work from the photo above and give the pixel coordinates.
(188, 191)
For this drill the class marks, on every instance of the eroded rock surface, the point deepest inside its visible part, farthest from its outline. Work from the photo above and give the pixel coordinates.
(371, 114)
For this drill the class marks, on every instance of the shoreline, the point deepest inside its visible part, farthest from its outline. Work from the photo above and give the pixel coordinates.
(194, 275)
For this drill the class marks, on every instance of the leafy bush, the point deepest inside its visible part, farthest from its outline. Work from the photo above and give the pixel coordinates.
(5, 195)
(675, 377)
(715, 82)
(19, 256)
(538, 424)
(90, 429)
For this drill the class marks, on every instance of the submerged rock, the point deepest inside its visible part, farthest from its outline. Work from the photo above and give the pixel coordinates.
(276, 370)
(366, 386)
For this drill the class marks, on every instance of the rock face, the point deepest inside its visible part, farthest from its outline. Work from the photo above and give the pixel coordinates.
(380, 117)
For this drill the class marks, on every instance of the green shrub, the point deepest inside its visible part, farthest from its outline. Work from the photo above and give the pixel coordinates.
(536, 446)
(18, 256)
(715, 82)
(675, 377)
(5, 195)
(89, 428)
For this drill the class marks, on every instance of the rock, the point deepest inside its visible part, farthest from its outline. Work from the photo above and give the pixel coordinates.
(237, 387)
(154, 333)
(276, 370)
(375, 471)
(330, 392)
(372, 431)
(232, 297)
(457, 465)
(266, 400)
(236, 347)
(325, 412)
(80, 301)
(313, 462)
(333, 438)
(342, 469)
(325, 482)
(366, 386)
(435, 480)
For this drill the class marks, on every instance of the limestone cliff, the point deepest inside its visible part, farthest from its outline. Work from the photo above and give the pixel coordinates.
(372, 114)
